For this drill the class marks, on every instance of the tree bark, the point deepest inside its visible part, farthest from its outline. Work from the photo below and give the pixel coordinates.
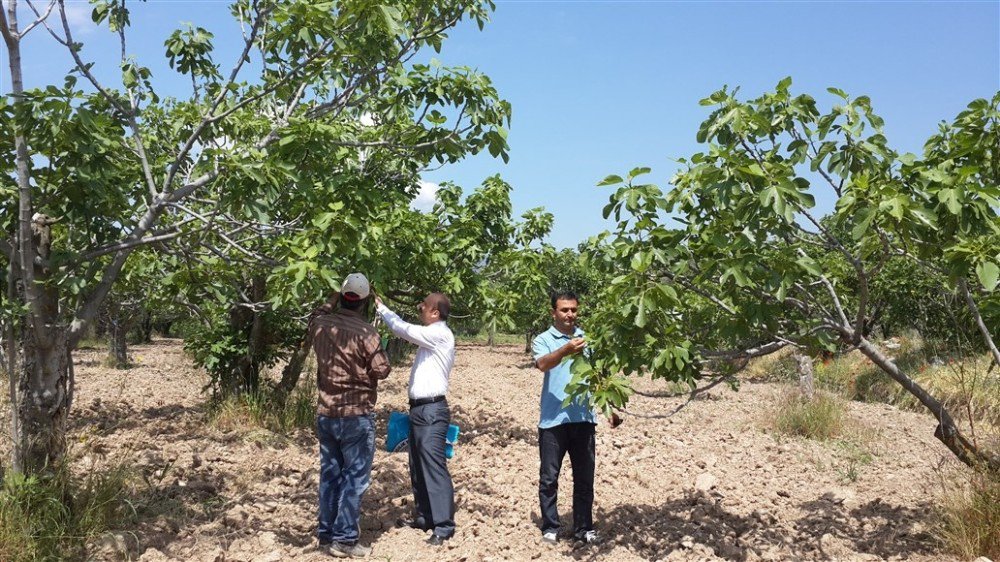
(44, 396)
(45, 377)
(293, 370)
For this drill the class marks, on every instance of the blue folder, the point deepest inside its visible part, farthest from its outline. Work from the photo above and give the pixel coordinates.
(397, 439)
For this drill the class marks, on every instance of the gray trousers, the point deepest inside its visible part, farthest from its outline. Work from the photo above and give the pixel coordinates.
(433, 492)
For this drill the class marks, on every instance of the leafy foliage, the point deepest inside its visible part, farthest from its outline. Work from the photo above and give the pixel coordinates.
(752, 268)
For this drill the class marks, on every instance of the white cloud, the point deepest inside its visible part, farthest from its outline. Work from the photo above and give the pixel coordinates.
(426, 197)
(78, 16)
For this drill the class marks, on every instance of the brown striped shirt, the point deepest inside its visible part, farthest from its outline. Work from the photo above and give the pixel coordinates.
(351, 362)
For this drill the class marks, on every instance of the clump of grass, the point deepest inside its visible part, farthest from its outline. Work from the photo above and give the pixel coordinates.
(266, 408)
(854, 456)
(821, 418)
(970, 515)
(53, 516)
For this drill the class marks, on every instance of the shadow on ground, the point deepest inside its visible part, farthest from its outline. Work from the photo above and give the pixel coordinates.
(698, 519)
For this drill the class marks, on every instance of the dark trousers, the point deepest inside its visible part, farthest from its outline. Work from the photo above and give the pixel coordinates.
(553, 443)
(346, 451)
(433, 492)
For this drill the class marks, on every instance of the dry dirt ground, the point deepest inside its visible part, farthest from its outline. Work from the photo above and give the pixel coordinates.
(710, 483)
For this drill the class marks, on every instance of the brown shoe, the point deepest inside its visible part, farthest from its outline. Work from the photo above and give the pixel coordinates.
(341, 550)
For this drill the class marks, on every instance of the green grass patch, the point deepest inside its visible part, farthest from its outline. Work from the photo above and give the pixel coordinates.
(55, 516)
(822, 417)
(266, 409)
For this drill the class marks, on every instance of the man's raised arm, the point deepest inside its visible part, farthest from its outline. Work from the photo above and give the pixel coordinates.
(549, 360)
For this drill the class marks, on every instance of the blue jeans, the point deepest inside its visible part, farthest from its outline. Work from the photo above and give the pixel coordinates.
(346, 451)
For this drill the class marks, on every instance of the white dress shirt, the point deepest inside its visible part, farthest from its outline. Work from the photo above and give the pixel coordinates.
(435, 354)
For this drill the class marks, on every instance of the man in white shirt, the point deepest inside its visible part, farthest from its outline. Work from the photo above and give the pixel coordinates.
(433, 493)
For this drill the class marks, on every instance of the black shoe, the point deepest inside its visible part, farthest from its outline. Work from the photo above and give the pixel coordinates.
(436, 540)
(418, 523)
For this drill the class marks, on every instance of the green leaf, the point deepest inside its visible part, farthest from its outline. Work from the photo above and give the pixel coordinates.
(989, 274)
(638, 172)
(610, 180)
(837, 92)
(810, 265)
(861, 227)
(950, 199)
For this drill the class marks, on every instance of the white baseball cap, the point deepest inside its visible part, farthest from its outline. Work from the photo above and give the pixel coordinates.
(355, 287)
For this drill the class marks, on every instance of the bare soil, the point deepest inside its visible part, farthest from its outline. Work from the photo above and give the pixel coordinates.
(709, 483)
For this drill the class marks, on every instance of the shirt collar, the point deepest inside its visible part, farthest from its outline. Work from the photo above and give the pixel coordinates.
(555, 333)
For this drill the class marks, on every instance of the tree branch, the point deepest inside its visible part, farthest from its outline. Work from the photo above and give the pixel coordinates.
(156, 237)
(207, 119)
(987, 337)
(41, 18)
(749, 353)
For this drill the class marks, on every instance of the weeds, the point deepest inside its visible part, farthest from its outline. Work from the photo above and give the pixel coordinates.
(266, 408)
(821, 418)
(970, 514)
(856, 457)
(55, 515)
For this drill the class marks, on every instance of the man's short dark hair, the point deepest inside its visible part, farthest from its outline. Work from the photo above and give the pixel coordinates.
(352, 305)
(563, 296)
(442, 305)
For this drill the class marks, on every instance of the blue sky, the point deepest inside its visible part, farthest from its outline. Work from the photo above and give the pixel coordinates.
(599, 87)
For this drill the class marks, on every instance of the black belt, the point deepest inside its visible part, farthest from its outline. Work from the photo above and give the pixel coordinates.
(424, 401)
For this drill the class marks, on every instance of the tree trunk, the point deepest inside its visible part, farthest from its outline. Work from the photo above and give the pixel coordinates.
(528, 337)
(44, 379)
(101, 326)
(247, 375)
(44, 396)
(117, 337)
(293, 370)
(947, 432)
(145, 327)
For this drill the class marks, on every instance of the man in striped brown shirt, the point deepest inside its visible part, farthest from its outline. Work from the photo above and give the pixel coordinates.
(350, 364)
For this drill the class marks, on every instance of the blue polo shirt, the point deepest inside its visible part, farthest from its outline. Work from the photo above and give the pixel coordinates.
(554, 386)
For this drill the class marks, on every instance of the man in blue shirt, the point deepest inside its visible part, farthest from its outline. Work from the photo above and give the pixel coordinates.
(564, 429)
